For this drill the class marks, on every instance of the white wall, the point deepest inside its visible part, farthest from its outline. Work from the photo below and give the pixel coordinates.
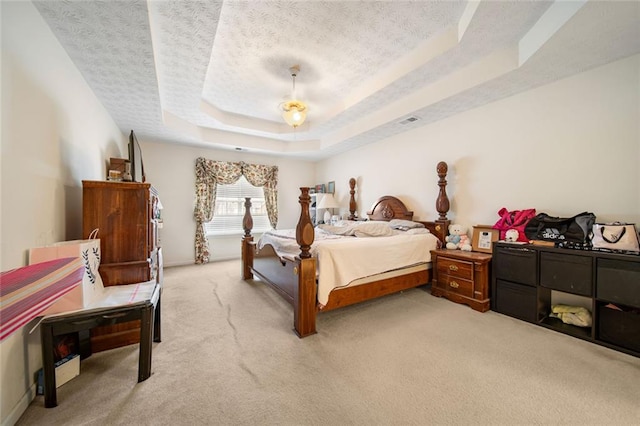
(563, 148)
(54, 134)
(171, 170)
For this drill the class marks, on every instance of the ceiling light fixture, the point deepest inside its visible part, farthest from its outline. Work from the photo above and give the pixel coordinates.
(294, 111)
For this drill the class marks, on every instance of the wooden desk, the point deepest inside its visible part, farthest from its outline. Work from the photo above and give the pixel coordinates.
(148, 312)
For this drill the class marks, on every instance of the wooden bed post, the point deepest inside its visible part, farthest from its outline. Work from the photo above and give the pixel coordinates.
(442, 202)
(304, 294)
(304, 229)
(352, 200)
(248, 250)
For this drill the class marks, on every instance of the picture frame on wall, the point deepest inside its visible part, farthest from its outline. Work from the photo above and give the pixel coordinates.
(331, 188)
(483, 238)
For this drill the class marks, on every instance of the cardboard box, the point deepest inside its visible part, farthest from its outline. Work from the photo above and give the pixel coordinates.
(67, 368)
(118, 164)
(483, 238)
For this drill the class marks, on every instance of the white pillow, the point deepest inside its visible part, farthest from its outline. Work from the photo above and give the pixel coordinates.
(417, 231)
(373, 229)
(344, 222)
(404, 224)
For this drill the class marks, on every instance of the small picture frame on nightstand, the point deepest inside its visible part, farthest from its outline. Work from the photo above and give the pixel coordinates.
(483, 238)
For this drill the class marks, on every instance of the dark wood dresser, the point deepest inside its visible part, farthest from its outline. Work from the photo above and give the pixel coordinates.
(125, 214)
(528, 280)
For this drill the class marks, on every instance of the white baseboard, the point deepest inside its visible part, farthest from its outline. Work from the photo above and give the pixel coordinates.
(185, 263)
(20, 407)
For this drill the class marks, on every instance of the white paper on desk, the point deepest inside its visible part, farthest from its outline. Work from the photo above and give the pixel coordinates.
(116, 295)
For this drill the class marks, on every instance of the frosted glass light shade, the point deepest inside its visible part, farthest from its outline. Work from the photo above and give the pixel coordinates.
(294, 112)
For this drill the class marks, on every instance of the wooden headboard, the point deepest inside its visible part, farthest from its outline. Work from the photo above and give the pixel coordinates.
(389, 207)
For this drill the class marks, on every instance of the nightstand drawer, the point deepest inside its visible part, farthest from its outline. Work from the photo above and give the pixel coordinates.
(457, 285)
(455, 268)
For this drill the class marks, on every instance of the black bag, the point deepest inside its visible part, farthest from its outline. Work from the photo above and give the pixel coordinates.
(571, 231)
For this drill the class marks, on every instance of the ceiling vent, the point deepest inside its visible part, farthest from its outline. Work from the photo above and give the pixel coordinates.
(409, 119)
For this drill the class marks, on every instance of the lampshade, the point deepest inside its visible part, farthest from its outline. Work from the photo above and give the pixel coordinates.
(327, 202)
(294, 111)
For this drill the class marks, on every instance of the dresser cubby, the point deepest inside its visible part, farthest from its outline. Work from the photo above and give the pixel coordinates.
(527, 280)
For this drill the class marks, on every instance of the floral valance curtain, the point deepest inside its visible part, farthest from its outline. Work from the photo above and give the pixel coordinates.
(210, 174)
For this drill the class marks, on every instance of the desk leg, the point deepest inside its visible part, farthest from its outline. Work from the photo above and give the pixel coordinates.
(157, 336)
(146, 331)
(50, 397)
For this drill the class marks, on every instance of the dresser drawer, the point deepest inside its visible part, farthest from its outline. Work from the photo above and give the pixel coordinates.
(516, 300)
(455, 268)
(566, 272)
(456, 285)
(515, 264)
(618, 281)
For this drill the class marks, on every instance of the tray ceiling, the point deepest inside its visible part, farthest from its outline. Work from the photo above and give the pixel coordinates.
(212, 73)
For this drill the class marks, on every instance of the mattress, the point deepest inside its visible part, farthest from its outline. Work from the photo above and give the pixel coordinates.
(345, 260)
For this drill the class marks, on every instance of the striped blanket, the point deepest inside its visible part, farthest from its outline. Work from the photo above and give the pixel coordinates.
(26, 292)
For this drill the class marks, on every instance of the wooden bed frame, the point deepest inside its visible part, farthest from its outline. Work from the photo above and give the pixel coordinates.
(295, 280)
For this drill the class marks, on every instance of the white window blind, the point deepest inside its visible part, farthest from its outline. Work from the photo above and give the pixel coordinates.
(229, 212)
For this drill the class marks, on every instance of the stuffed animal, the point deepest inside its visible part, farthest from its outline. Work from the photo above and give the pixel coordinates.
(511, 236)
(458, 238)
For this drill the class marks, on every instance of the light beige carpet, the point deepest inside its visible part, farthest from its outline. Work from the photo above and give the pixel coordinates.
(229, 357)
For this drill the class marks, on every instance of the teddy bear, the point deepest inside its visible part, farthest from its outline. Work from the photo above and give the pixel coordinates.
(458, 238)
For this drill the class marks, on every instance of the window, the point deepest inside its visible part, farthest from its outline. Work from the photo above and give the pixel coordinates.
(227, 218)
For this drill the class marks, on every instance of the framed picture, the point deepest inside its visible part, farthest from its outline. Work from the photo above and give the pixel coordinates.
(483, 238)
(320, 188)
(331, 189)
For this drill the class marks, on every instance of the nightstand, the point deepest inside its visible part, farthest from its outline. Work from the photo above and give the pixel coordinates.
(462, 277)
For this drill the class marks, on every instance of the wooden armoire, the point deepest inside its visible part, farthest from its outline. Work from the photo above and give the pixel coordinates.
(125, 214)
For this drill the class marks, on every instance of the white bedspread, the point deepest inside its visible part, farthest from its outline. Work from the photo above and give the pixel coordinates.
(343, 259)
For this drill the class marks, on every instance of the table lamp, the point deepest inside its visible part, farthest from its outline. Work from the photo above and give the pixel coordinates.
(327, 202)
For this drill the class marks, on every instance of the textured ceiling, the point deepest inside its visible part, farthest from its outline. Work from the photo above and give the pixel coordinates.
(212, 73)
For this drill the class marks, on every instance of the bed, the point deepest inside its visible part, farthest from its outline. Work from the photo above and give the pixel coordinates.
(297, 277)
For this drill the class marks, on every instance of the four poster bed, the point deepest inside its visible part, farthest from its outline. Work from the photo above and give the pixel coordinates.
(302, 279)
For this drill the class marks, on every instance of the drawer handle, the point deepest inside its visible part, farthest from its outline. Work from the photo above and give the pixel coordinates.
(111, 316)
(87, 321)
(454, 284)
(453, 267)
